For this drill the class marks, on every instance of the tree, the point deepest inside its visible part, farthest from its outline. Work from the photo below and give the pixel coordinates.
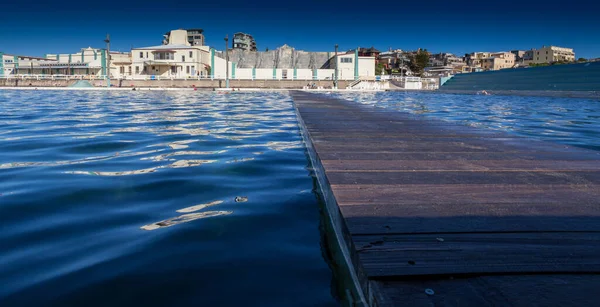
(379, 69)
(582, 60)
(418, 61)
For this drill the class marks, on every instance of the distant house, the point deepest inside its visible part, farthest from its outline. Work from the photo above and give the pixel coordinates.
(369, 52)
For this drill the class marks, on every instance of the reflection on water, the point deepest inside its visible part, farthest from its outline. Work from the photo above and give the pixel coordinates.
(156, 198)
(183, 219)
(570, 121)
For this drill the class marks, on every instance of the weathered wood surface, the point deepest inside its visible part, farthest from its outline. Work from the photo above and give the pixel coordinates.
(425, 201)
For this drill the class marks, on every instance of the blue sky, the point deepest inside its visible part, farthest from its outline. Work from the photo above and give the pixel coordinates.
(440, 26)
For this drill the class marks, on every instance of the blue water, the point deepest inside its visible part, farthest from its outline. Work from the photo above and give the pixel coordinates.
(570, 121)
(157, 199)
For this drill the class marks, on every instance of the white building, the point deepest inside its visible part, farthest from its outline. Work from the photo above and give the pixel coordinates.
(22, 65)
(90, 61)
(171, 61)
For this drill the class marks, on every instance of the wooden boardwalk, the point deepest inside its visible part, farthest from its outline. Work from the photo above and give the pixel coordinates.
(438, 214)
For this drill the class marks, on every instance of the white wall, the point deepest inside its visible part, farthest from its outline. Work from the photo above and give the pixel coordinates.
(304, 74)
(220, 69)
(243, 73)
(325, 73)
(366, 67)
(264, 73)
(346, 70)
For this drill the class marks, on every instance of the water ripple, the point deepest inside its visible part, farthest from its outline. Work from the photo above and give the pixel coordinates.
(156, 198)
(571, 121)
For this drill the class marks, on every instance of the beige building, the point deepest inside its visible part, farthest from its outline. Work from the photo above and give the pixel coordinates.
(498, 60)
(171, 61)
(553, 54)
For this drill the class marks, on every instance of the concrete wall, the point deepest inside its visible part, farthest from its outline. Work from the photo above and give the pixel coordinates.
(35, 83)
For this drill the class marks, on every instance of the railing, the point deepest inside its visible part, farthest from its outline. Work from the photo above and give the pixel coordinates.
(52, 77)
(354, 83)
(173, 78)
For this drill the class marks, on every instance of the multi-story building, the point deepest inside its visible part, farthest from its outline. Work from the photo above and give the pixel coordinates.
(452, 60)
(243, 41)
(551, 54)
(368, 52)
(445, 59)
(171, 61)
(498, 60)
(393, 59)
(523, 57)
(193, 37)
(474, 59)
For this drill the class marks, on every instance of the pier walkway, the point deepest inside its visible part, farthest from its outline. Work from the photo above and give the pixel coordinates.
(430, 213)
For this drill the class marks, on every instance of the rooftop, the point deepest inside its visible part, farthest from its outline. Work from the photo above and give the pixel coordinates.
(166, 47)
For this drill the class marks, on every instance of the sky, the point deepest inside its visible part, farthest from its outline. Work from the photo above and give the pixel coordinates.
(459, 27)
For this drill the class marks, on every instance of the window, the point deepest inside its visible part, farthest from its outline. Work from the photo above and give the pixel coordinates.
(163, 56)
(141, 55)
(146, 54)
(174, 69)
(183, 58)
(129, 70)
(137, 70)
(346, 60)
(190, 54)
(187, 70)
(153, 67)
(122, 70)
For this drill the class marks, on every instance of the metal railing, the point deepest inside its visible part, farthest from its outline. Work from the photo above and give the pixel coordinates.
(158, 77)
(52, 77)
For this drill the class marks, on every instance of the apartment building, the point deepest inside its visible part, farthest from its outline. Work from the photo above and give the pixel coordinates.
(191, 37)
(243, 41)
(498, 60)
(551, 54)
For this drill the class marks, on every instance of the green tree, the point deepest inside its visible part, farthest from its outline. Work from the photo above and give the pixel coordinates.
(418, 61)
(379, 69)
(582, 60)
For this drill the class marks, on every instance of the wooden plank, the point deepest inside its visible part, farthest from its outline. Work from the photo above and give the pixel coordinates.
(471, 217)
(502, 204)
(490, 290)
(404, 156)
(464, 177)
(464, 194)
(407, 255)
(460, 165)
